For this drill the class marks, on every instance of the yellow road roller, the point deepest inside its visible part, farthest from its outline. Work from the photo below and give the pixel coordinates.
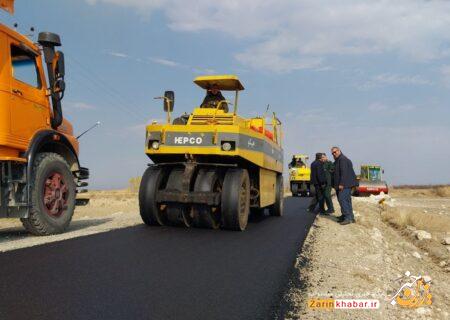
(212, 167)
(300, 176)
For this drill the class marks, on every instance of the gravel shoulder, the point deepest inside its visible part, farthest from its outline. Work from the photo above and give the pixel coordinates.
(364, 260)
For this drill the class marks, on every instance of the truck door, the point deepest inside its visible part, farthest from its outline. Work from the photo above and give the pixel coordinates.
(29, 105)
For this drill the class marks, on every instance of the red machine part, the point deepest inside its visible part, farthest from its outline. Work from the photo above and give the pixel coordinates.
(268, 133)
(373, 189)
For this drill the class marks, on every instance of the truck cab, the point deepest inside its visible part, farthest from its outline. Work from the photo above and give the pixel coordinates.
(39, 167)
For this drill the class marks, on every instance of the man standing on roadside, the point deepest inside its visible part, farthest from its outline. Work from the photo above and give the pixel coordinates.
(328, 166)
(319, 181)
(344, 181)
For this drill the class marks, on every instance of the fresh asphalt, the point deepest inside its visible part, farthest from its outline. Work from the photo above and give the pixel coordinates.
(157, 272)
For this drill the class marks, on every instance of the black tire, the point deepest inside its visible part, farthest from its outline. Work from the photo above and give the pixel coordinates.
(294, 189)
(53, 193)
(150, 211)
(235, 199)
(178, 214)
(207, 216)
(276, 209)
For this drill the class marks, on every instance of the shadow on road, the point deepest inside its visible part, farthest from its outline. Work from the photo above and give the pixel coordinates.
(18, 231)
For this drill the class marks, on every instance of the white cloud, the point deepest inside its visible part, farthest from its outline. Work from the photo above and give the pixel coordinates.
(78, 106)
(390, 79)
(298, 34)
(378, 107)
(395, 79)
(162, 61)
(118, 54)
(165, 62)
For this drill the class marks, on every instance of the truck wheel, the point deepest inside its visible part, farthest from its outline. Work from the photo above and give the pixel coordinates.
(235, 199)
(151, 212)
(277, 208)
(53, 193)
(207, 216)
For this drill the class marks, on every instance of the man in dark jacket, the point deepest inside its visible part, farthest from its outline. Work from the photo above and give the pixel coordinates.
(328, 166)
(344, 181)
(319, 180)
(214, 99)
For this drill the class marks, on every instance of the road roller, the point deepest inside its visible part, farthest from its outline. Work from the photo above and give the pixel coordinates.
(370, 181)
(300, 176)
(212, 168)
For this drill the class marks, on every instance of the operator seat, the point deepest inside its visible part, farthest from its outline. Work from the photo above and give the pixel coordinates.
(182, 120)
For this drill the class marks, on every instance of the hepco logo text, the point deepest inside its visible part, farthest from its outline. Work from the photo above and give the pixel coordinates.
(188, 140)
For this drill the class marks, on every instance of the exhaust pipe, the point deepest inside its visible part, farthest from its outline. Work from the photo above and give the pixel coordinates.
(55, 71)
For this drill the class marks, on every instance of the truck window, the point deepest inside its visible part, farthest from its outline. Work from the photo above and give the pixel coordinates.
(24, 67)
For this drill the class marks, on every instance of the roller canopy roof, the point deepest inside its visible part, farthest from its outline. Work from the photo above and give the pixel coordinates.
(223, 82)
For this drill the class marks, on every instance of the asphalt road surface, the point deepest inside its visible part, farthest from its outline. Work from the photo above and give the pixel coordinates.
(157, 272)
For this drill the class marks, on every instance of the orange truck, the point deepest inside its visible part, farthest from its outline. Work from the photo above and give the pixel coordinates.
(39, 169)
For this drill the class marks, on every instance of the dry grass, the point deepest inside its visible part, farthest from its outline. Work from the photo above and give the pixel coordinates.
(400, 217)
(440, 191)
(133, 184)
(443, 191)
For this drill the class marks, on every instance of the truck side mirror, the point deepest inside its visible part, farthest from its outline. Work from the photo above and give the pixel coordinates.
(59, 70)
(60, 66)
(169, 101)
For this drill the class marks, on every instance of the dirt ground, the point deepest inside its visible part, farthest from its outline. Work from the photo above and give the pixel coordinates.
(106, 211)
(403, 232)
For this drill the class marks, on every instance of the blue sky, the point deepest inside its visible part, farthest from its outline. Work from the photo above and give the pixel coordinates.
(370, 76)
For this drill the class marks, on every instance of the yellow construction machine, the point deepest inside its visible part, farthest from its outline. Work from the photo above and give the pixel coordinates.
(300, 176)
(212, 167)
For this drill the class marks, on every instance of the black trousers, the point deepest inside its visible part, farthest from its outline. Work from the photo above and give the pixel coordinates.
(319, 198)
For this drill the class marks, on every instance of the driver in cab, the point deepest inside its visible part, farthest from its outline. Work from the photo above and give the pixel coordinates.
(213, 99)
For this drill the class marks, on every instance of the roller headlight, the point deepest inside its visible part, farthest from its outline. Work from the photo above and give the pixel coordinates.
(228, 145)
(155, 145)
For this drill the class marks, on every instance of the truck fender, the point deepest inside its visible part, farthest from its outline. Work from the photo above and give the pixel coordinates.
(51, 141)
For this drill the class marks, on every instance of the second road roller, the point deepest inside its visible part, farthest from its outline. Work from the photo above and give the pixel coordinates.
(212, 167)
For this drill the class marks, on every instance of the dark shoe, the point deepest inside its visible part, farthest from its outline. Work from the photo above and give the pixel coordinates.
(340, 218)
(324, 213)
(330, 211)
(343, 223)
